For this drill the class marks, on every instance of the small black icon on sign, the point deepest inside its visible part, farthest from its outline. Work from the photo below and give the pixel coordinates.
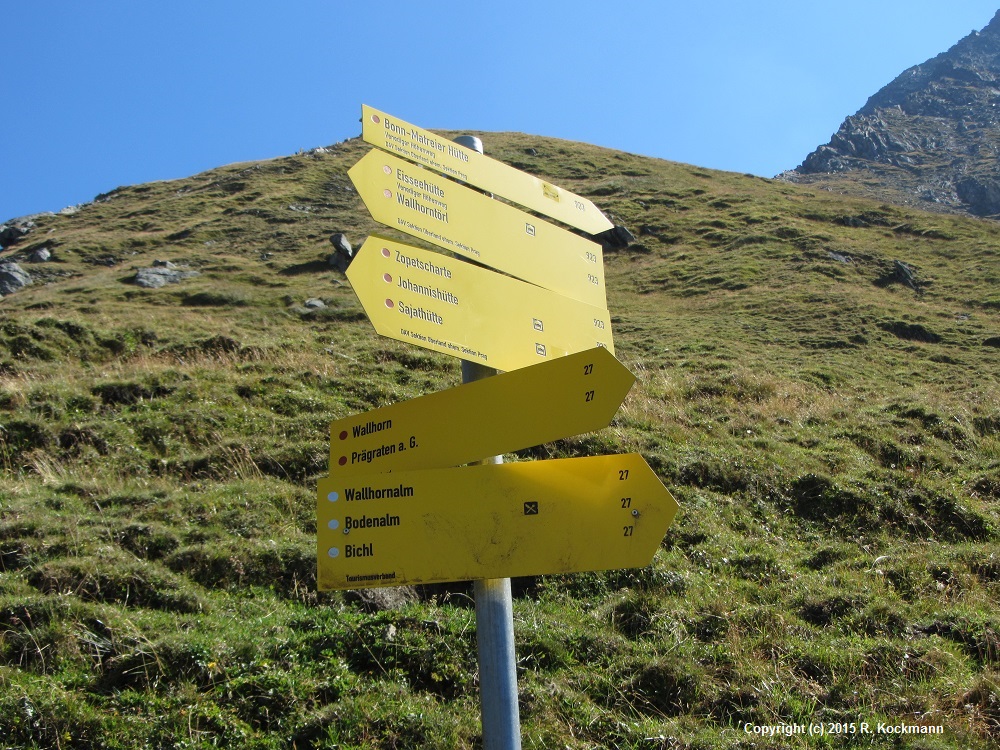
(540, 350)
(531, 509)
(529, 228)
(538, 325)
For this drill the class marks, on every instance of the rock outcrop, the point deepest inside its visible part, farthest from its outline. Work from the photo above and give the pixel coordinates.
(14, 231)
(930, 138)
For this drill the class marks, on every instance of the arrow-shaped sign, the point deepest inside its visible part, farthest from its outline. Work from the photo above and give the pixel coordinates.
(492, 521)
(425, 205)
(534, 405)
(449, 306)
(442, 155)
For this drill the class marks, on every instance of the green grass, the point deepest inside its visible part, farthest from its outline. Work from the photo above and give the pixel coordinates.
(832, 435)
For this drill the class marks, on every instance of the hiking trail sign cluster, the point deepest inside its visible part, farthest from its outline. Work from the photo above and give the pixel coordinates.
(398, 506)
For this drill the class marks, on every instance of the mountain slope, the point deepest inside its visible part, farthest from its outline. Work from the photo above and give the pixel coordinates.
(817, 386)
(929, 138)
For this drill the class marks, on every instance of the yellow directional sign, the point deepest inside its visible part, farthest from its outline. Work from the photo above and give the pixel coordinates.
(449, 306)
(442, 155)
(552, 400)
(492, 521)
(425, 205)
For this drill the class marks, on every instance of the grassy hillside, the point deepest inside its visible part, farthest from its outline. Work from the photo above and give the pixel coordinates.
(831, 432)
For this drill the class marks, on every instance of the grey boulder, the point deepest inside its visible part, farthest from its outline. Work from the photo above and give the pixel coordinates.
(154, 278)
(343, 252)
(12, 277)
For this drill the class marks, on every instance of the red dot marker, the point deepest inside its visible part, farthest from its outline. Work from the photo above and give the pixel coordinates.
(387, 169)
(343, 460)
(343, 435)
(375, 119)
(385, 252)
(389, 304)
(387, 193)
(387, 278)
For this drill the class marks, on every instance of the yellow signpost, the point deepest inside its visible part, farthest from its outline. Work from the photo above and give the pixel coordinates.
(395, 509)
(492, 521)
(425, 205)
(556, 399)
(449, 306)
(464, 164)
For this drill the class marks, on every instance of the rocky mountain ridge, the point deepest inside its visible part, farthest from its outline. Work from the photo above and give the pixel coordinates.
(930, 138)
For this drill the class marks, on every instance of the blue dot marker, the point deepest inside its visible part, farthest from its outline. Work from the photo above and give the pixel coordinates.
(333, 497)
(334, 524)
(333, 552)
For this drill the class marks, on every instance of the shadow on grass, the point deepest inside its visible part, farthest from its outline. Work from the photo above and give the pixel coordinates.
(313, 266)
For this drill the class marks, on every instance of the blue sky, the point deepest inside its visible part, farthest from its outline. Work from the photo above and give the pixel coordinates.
(108, 93)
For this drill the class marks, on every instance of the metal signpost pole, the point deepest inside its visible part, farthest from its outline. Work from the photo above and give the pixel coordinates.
(501, 718)
(495, 635)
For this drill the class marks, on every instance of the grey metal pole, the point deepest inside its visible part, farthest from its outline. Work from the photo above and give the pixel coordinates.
(501, 718)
